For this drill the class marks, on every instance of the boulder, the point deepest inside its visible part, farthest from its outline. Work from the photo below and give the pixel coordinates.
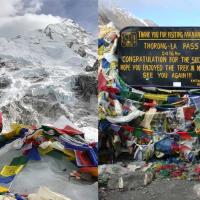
(4, 82)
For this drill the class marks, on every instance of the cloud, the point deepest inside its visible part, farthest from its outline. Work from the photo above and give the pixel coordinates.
(10, 7)
(32, 6)
(19, 7)
(12, 26)
(19, 16)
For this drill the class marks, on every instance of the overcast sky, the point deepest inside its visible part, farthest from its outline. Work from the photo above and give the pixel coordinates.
(162, 12)
(19, 16)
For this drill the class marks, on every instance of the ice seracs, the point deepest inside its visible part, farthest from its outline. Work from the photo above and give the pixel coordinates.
(42, 68)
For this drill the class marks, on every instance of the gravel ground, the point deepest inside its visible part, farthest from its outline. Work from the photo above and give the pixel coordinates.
(157, 190)
(134, 189)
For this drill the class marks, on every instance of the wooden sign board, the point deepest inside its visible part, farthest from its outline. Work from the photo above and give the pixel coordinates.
(160, 56)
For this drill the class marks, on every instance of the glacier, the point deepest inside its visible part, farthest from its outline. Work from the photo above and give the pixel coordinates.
(40, 75)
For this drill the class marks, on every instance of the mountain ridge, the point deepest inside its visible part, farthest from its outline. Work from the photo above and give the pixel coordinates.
(121, 18)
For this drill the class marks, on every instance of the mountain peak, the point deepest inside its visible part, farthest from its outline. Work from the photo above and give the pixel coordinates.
(66, 28)
(70, 22)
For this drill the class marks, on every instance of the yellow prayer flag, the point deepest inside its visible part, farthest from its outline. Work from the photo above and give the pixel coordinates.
(3, 189)
(11, 170)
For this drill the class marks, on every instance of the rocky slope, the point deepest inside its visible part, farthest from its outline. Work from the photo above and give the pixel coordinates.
(121, 18)
(48, 73)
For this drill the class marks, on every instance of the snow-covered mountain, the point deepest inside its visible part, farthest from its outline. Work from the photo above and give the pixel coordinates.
(121, 18)
(43, 75)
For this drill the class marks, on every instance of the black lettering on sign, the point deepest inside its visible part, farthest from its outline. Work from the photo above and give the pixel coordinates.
(160, 56)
